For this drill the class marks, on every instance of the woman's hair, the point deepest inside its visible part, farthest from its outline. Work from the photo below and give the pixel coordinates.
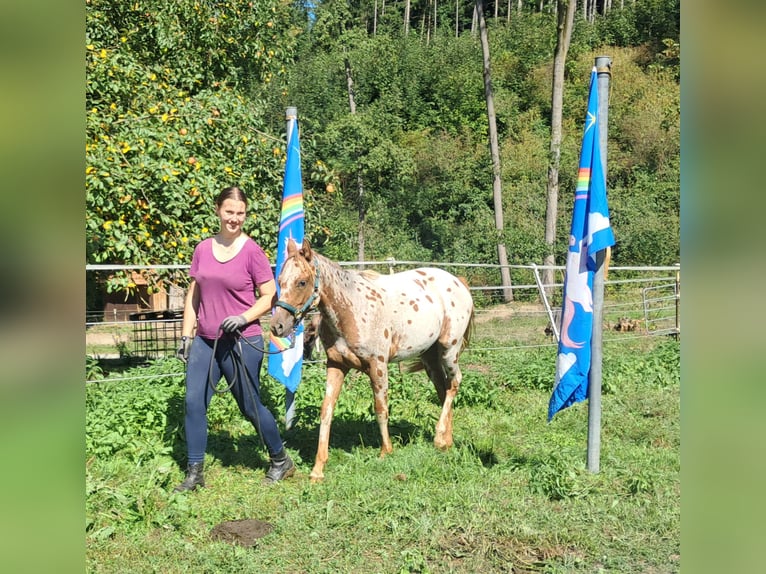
(231, 193)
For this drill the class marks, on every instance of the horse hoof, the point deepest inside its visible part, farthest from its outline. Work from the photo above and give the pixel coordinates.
(442, 444)
(316, 478)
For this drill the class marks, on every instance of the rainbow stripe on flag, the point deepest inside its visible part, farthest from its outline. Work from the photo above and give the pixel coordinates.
(583, 183)
(292, 210)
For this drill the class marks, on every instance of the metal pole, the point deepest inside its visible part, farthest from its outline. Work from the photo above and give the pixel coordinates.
(291, 116)
(603, 69)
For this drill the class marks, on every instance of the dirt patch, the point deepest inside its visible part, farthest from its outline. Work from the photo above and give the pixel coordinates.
(520, 556)
(106, 338)
(244, 532)
(508, 310)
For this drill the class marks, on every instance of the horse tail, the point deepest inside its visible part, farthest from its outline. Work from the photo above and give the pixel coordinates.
(468, 331)
(411, 366)
(469, 328)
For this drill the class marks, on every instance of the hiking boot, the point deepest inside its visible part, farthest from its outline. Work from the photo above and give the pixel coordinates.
(281, 466)
(194, 478)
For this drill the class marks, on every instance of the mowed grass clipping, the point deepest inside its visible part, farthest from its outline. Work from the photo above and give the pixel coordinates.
(512, 495)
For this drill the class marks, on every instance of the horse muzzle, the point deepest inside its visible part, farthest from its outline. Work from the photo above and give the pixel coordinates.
(283, 320)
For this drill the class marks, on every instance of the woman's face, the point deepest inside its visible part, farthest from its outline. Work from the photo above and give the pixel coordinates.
(232, 215)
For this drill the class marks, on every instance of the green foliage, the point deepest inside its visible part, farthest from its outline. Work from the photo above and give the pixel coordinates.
(183, 100)
(512, 488)
(133, 423)
(92, 369)
(660, 369)
(173, 115)
(558, 476)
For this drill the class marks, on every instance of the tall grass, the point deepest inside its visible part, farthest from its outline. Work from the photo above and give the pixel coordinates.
(512, 495)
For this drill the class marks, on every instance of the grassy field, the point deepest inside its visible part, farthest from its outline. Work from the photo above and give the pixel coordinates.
(512, 495)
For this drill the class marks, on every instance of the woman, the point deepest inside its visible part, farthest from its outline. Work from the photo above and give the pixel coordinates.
(232, 287)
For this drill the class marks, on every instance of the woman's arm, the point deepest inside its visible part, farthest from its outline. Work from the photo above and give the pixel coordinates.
(191, 306)
(267, 296)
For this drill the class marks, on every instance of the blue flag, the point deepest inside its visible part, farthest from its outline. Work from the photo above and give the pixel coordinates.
(286, 366)
(590, 233)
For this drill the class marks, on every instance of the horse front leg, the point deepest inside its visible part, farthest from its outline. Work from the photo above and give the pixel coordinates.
(379, 380)
(335, 376)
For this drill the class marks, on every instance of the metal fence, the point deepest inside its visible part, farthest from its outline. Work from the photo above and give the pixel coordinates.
(642, 300)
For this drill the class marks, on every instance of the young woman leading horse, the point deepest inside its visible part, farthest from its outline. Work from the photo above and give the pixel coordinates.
(370, 320)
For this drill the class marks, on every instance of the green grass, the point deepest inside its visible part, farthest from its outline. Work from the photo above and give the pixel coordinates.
(512, 495)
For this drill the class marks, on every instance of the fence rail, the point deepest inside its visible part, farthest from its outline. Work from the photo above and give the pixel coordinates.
(644, 300)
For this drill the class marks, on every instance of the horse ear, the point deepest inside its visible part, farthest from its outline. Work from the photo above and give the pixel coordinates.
(292, 248)
(306, 250)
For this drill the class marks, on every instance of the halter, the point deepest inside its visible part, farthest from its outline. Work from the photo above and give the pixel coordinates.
(299, 313)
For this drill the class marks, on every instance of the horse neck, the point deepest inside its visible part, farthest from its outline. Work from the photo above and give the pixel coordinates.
(334, 282)
(332, 277)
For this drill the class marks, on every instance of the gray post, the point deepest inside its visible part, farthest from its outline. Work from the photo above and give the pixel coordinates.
(603, 69)
(291, 115)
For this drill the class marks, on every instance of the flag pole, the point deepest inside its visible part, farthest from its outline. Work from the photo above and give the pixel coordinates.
(291, 116)
(603, 70)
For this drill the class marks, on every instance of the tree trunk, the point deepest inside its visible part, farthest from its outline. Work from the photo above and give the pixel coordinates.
(457, 17)
(359, 181)
(497, 187)
(407, 17)
(435, 21)
(565, 23)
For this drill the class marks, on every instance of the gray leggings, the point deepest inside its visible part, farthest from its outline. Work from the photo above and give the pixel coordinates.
(232, 357)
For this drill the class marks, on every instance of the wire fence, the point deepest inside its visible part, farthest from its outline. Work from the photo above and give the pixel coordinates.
(639, 302)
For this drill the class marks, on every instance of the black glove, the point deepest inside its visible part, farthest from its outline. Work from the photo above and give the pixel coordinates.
(233, 323)
(183, 350)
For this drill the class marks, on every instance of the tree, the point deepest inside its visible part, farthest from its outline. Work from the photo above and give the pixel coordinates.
(497, 186)
(168, 123)
(359, 180)
(565, 22)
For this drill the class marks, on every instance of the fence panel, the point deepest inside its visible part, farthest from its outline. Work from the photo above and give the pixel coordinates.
(643, 300)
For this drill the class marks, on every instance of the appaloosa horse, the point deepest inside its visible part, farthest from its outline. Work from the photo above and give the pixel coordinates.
(369, 320)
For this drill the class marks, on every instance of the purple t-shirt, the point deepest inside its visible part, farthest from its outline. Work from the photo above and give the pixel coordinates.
(227, 288)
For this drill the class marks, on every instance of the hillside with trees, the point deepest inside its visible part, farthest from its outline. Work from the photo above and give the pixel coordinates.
(187, 97)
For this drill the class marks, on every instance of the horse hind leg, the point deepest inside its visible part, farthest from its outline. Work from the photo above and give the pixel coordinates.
(445, 375)
(379, 381)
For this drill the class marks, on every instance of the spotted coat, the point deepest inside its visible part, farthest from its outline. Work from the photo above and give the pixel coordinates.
(369, 320)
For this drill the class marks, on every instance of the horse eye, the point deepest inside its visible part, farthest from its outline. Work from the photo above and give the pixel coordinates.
(301, 283)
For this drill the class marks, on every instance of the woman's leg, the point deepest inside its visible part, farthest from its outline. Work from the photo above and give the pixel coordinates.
(198, 396)
(247, 391)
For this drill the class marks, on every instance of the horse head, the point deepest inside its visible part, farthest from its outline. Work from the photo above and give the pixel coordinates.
(298, 288)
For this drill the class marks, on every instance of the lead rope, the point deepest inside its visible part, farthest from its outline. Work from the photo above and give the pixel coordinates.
(239, 366)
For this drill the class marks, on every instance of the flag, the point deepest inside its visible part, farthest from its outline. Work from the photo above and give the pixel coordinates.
(286, 366)
(590, 233)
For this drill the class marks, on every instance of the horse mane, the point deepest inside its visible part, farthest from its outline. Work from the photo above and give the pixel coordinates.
(369, 274)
